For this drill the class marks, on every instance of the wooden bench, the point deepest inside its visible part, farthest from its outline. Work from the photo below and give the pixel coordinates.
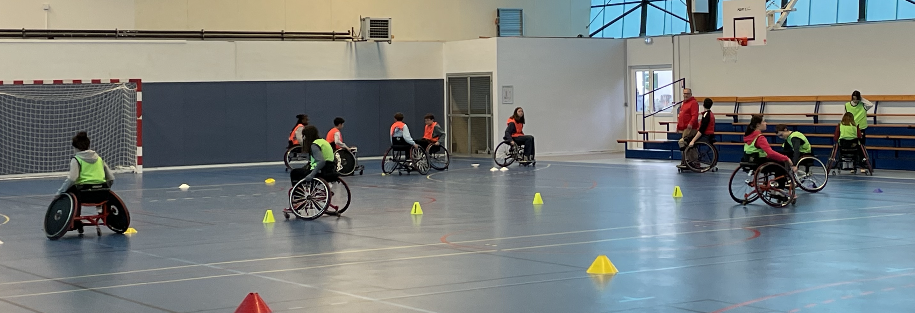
(831, 124)
(817, 100)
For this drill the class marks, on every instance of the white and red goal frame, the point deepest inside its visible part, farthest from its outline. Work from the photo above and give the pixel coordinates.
(139, 168)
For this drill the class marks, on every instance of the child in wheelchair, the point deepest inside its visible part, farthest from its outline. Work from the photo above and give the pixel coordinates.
(321, 156)
(758, 152)
(850, 148)
(432, 134)
(295, 136)
(87, 171)
(705, 133)
(796, 146)
(401, 141)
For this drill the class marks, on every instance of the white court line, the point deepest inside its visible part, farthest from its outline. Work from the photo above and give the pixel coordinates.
(441, 244)
(437, 256)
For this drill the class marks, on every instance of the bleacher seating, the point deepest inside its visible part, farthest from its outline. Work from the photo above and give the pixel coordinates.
(891, 146)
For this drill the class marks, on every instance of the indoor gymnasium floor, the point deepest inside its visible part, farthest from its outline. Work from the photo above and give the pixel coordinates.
(480, 246)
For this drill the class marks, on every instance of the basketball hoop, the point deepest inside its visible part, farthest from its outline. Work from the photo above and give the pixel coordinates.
(730, 46)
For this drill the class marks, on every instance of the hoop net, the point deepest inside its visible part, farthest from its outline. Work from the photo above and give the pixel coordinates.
(730, 46)
(38, 121)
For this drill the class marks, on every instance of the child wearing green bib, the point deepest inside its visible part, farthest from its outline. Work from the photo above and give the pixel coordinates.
(86, 167)
(320, 153)
(849, 136)
(796, 144)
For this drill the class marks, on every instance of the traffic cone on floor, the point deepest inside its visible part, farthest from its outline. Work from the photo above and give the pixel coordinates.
(268, 217)
(130, 230)
(677, 192)
(602, 265)
(253, 304)
(878, 190)
(270, 181)
(417, 210)
(538, 199)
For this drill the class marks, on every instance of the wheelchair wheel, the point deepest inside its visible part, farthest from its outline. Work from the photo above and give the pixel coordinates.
(118, 218)
(812, 174)
(773, 185)
(294, 158)
(707, 157)
(346, 162)
(309, 199)
(504, 155)
(389, 161)
(742, 187)
(439, 157)
(420, 161)
(59, 217)
(340, 197)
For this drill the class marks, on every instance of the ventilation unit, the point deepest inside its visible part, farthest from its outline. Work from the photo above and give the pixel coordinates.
(376, 29)
(509, 23)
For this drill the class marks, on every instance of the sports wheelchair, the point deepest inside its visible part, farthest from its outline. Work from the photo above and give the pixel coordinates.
(63, 214)
(706, 158)
(507, 153)
(849, 155)
(322, 195)
(439, 157)
(775, 183)
(402, 157)
(346, 162)
(294, 158)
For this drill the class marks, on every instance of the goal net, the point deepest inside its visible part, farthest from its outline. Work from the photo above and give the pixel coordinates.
(38, 121)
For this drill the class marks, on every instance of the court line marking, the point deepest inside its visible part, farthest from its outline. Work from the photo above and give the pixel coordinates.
(7, 219)
(429, 256)
(441, 244)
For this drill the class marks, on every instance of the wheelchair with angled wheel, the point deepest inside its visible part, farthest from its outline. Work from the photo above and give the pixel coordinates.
(346, 162)
(507, 153)
(403, 157)
(439, 157)
(294, 158)
(64, 213)
(326, 194)
(759, 178)
(849, 155)
(700, 158)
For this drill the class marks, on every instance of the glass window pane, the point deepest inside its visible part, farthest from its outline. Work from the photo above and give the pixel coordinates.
(597, 18)
(848, 11)
(632, 23)
(656, 20)
(677, 26)
(665, 96)
(881, 10)
(800, 17)
(823, 11)
(905, 10)
(641, 84)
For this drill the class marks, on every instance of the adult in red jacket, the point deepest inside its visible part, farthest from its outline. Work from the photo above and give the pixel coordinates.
(688, 120)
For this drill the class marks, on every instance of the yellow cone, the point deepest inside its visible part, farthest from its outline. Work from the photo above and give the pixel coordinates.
(417, 210)
(538, 199)
(268, 217)
(270, 181)
(131, 230)
(677, 192)
(602, 265)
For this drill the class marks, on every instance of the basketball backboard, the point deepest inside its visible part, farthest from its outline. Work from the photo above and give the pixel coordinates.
(745, 18)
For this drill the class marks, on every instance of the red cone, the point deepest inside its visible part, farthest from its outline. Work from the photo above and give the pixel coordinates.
(253, 304)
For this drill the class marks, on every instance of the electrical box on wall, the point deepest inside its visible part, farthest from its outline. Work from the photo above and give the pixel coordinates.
(376, 29)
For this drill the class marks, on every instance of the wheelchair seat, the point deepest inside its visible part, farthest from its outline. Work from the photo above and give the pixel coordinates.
(92, 194)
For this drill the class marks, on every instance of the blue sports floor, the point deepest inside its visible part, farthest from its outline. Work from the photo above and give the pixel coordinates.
(481, 246)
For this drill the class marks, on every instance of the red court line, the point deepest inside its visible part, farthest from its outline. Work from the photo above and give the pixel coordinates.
(739, 305)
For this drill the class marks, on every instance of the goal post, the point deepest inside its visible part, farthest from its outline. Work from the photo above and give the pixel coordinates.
(38, 118)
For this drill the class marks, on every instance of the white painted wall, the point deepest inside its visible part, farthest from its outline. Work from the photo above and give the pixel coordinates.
(67, 14)
(572, 91)
(190, 61)
(470, 56)
(413, 20)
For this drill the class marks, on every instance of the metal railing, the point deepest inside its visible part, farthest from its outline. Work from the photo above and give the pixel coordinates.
(171, 34)
(645, 116)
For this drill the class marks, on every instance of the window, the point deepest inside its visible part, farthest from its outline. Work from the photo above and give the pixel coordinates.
(808, 12)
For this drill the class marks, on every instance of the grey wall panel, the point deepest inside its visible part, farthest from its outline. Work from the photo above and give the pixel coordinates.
(238, 122)
(163, 125)
(360, 103)
(245, 124)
